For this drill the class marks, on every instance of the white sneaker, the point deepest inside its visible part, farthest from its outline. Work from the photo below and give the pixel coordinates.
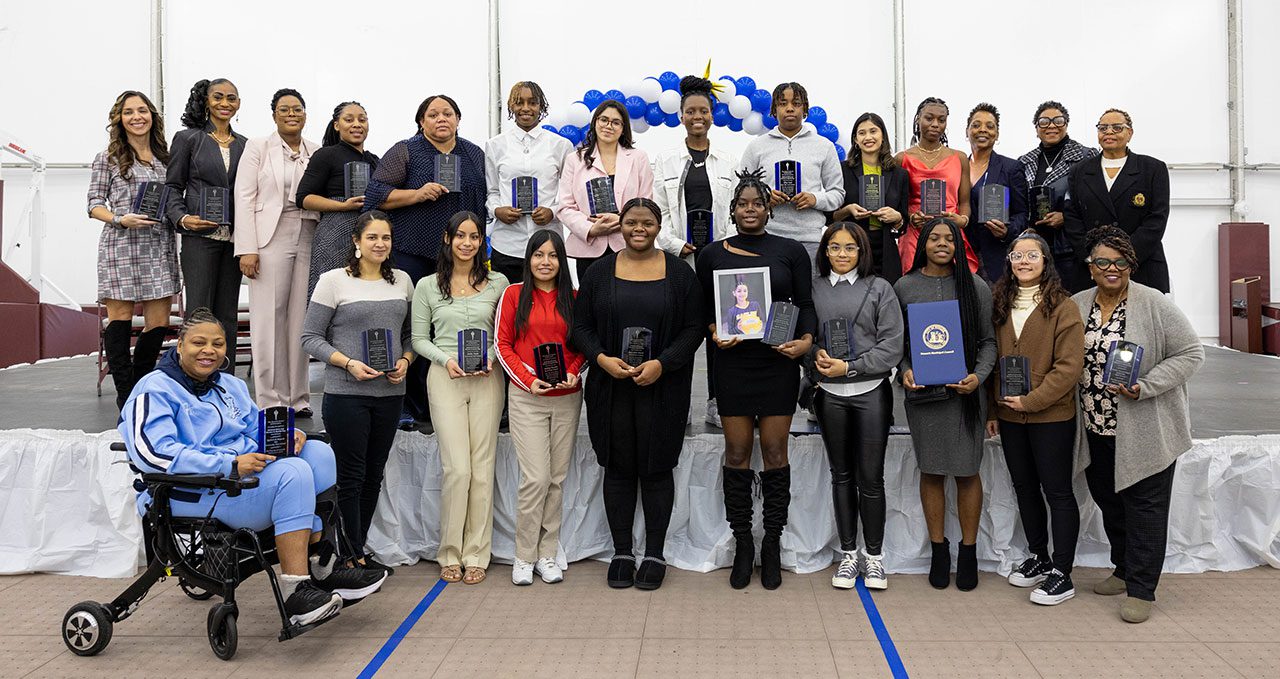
(521, 572)
(873, 571)
(713, 414)
(846, 576)
(549, 570)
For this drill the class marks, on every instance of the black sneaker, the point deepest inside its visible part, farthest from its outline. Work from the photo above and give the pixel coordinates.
(372, 564)
(1055, 589)
(309, 604)
(1032, 572)
(353, 584)
(622, 571)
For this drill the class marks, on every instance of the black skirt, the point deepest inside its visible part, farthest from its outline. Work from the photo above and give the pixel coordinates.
(753, 379)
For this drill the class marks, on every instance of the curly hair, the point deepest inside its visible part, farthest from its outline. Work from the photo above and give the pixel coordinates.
(751, 180)
(196, 114)
(1114, 238)
(1046, 105)
(1004, 291)
(538, 94)
(444, 261)
(797, 92)
(987, 108)
(331, 135)
(915, 123)
(118, 147)
(353, 262)
(587, 149)
(885, 154)
(286, 92)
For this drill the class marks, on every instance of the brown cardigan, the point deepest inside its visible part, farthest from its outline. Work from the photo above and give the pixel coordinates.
(1054, 347)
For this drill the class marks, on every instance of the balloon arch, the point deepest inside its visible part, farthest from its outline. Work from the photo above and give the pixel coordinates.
(740, 106)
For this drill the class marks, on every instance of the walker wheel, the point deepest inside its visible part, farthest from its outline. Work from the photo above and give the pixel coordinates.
(222, 630)
(86, 628)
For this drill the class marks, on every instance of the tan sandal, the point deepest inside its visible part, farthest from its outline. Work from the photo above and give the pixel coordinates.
(451, 573)
(474, 576)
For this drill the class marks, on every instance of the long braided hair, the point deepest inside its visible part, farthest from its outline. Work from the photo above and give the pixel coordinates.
(331, 135)
(915, 123)
(751, 179)
(536, 90)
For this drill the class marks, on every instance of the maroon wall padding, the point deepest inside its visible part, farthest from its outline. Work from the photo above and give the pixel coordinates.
(1244, 250)
(20, 340)
(66, 332)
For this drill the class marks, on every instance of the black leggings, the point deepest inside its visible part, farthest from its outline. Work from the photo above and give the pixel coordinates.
(1040, 456)
(855, 431)
(628, 466)
(361, 431)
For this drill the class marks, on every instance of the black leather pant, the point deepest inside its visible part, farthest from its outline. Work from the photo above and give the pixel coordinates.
(855, 432)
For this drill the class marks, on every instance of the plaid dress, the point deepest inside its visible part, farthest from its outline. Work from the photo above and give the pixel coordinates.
(133, 264)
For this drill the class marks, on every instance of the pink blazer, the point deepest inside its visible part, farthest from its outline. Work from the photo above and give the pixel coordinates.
(633, 178)
(260, 192)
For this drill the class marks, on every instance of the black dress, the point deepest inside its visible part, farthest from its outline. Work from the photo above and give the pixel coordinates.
(752, 378)
(638, 304)
(324, 178)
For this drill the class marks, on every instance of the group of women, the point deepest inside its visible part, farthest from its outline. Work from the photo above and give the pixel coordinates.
(411, 256)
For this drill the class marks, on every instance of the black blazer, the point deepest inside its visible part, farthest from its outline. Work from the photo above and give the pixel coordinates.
(196, 162)
(1007, 172)
(1138, 203)
(595, 332)
(896, 185)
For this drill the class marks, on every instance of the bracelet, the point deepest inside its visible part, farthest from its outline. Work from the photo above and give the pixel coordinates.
(349, 362)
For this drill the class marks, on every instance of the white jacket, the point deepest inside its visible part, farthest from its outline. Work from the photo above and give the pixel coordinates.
(669, 171)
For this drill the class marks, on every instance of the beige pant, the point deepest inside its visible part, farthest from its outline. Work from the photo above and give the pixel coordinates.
(465, 413)
(277, 308)
(544, 430)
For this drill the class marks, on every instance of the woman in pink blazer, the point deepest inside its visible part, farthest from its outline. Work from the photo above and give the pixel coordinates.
(605, 152)
(273, 243)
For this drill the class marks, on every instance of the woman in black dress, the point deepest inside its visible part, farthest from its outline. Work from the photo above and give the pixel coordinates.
(637, 392)
(756, 384)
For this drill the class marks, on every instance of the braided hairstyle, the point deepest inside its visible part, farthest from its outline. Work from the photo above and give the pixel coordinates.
(797, 92)
(118, 147)
(1127, 119)
(538, 94)
(751, 180)
(1114, 238)
(353, 262)
(196, 113)
(915, 123)
(331, 135)
(1004, 291)
(693, 86)
(642, 202)
(199, 316)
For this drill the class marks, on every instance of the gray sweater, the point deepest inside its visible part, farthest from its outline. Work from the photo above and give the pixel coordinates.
(877, 330)
(820, 175)
(1154, 430)
(341, 309)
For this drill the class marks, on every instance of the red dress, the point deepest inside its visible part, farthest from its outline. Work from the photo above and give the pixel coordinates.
(949, 170)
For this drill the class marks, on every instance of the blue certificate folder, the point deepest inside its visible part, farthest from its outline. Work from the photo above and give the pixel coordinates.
(937, 345)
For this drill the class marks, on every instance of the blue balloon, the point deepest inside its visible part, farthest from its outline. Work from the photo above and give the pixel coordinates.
(840, 152)
(654, 115)
(551, 129)
(735, 124)
(635, 107)
(720, 114)
(817, 116)
(760, 101)
(669, 80)
(829, 131)
(673, 120)
(593, 98)
(573, 134)
(770, 122)
(745, 86)
(616, 95)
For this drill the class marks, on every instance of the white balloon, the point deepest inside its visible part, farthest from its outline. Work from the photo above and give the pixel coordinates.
(728, 89)
(650, 90)
(754, 123)
(739, 107)
(639, 125)
(555, 119)
(669, 101)
(631, 89)
(578, 114)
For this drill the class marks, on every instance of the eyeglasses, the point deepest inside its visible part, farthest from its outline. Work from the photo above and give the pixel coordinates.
(609, 122)
(1121, 263)
(1112, 127)
(286, 110)
(1031, 257)
(1056, 121)
(836, 248)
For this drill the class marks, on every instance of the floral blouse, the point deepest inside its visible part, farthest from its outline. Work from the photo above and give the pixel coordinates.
(1098, 404)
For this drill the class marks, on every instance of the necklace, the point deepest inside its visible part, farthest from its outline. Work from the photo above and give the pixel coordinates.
(1048, 164)
(223, 142)
(931, 156)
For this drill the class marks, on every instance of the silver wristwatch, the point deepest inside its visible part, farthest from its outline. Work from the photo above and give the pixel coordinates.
(115, 221)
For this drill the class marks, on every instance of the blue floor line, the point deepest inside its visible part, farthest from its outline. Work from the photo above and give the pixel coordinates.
(882, 633)
(397, 636)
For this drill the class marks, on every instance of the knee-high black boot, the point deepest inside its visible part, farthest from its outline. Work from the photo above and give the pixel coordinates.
(775, 485)
(147, 350)
(738, 510)
(115, 344)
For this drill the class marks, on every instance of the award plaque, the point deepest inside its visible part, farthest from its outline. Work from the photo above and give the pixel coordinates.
(1123, 363)
(150, 200)
(447, 173)
(275, 431)
(933, 197)
(1043, 203)
(937, 343)
(1015, 376)
(473, 350)
(870, 195)
(600, 194)
(637, 345)
(838, 338)
(786, 177)
(377, 349)
(524, 194)
(213, 205)
(781, 326)
(548, 363)
(994, 204)
(699, 228)
(355, 178)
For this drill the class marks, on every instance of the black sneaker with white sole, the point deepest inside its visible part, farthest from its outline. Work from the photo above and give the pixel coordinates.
(1031, 572)
(353, 584)
(309, 604)
(1055, 589)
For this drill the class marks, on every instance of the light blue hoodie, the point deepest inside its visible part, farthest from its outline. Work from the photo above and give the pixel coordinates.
(819, 174)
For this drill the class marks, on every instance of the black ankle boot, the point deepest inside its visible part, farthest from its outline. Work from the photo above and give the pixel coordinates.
(738, 510)
(115, 344)
(147, 350)
(775, 486)
(967, 567)
(940, 566)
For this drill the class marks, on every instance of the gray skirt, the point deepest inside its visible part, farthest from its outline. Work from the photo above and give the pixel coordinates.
(943, 443)
(331, 245)
(135, 265)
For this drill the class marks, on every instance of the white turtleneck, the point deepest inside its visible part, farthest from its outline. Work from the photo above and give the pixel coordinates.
(1023, 304)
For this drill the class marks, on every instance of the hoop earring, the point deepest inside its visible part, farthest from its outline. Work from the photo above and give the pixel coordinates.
(226, 363)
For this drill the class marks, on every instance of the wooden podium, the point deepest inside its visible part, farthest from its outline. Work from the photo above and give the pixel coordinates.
(1243, 252)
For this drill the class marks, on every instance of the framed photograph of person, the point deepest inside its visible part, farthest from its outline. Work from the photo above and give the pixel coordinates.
(743, 297)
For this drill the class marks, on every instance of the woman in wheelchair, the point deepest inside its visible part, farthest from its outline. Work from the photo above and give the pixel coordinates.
(187, 417)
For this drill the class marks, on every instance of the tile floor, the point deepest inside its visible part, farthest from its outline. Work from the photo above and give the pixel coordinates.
(1212, 625)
